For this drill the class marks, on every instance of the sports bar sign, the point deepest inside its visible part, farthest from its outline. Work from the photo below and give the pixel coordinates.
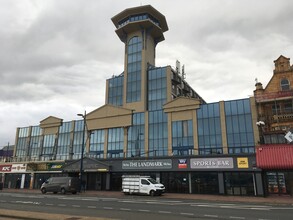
(212, 163)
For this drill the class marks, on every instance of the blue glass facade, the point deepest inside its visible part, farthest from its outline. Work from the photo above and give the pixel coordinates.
(135, 137)
(115, 143)
(115, 92)
(239, 126)
(97, 143)
(35, 142)
(158, 121)
(157, 88)
(77, 139)
(64, 141)
(182, 137)
(133, 93)
(209, 129)
(23, 135)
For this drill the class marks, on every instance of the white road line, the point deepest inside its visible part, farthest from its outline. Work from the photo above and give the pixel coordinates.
(236, 217)
(107, 208)
(211, 216)
(164, 212)
(184, 213)
(49, 204)
(124, 209)
(76, 206)
(92, 207)
(143, 210)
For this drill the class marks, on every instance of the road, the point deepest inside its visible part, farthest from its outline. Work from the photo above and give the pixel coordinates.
(142, 207)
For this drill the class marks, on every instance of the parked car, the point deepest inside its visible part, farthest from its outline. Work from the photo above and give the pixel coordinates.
(61, 184)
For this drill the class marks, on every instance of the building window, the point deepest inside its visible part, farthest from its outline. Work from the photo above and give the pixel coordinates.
(135, 142)
(285, 85)
(115, 92)
(209, 129)
(97, 144)
(239, 127)
(134, 70)
(182, 138)
(115, 142)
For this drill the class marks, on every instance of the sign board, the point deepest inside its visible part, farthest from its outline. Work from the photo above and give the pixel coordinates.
(242, 162)
(18, 168)
(182, 163)
(211, 163)
(289, 136)
(5, 168)
(147, 164)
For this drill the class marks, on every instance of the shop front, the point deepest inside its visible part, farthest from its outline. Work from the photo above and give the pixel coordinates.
(277, 164)
(210, 175)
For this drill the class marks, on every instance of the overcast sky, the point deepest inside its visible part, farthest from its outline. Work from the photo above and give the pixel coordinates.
(56, 55)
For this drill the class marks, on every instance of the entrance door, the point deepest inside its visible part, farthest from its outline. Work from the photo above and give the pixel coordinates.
(277, 182)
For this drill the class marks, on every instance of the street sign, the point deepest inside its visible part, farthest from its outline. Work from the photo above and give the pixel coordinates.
(289, 136)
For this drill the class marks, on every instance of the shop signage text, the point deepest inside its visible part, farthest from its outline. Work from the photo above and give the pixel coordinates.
(211, 163)
(18, 168)
(182, 163)
(5, 168)
(147, 164)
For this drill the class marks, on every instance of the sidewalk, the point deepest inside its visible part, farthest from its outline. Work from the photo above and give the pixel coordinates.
(282, 200)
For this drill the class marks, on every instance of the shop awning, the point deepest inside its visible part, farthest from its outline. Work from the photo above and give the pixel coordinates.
(274, 156)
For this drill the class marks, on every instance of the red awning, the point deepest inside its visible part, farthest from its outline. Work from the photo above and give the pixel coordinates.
(274, 156)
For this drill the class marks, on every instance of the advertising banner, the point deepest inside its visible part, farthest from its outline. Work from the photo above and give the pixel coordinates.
(211, 163)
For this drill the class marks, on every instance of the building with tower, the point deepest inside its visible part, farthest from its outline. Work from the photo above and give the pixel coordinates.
(153, 123)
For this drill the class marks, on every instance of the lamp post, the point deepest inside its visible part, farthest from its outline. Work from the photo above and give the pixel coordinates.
(82, 147)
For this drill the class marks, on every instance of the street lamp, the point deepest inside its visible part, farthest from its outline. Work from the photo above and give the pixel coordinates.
(82, 147)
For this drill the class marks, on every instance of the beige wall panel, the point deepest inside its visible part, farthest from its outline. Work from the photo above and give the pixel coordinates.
(223, 127)
(169, 84)
(146, 133)
(184, 115)
(254, 120)
(53, 130)
(111, 122)
(170, 152)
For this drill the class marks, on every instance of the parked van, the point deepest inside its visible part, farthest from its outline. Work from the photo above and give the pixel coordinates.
(61, 184)
(133, 184)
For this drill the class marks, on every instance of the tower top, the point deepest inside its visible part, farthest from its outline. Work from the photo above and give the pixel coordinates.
(137, 18)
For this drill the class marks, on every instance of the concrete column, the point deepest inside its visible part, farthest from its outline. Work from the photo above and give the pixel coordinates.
(221, 182)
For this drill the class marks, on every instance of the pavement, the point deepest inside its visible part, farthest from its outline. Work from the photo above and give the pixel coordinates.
(6, 214)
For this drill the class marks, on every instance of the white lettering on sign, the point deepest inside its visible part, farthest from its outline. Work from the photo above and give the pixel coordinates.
(208, 163)
(167, 164)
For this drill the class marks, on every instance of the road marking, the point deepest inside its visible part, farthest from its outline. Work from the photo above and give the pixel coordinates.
(164, 212)
(143, 210)
(211, 216)
(92, 207)
(185, 213)
(235, 217)
(124, 209)
(49, 204)
(107, 208)
(77, 206)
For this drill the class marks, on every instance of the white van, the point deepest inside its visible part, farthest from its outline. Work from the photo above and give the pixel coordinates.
(134, 184)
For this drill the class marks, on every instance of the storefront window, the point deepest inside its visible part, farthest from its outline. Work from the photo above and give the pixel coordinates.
(239, 183)
(277, 182)
(176, 182)
(204, 183)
